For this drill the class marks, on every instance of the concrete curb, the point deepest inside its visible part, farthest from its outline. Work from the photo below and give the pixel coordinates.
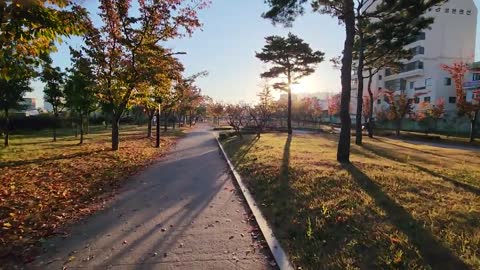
(278, 253)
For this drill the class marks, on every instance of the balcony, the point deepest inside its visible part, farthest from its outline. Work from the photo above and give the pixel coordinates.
(411, 69)
(471, 85)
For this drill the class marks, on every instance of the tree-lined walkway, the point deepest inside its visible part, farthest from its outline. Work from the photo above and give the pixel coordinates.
(181, 213)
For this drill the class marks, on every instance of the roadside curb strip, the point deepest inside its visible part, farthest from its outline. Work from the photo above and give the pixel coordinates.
(277, 251)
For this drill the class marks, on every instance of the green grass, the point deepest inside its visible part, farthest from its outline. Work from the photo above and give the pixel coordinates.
(397, 206)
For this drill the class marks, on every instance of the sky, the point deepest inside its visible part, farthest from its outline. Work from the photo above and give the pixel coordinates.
(232, 32)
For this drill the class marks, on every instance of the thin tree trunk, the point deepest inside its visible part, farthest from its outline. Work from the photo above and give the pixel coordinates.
(81, 128)
(289, 113)
(7, 127)
(87, 123)
(399, 126)
(370, 116)
(157, 131)
(150, 119)
(472, 126)
(190, 119)
(165, 124)
(115, 131)
(343, 151)
(55, 127)
(358, 119)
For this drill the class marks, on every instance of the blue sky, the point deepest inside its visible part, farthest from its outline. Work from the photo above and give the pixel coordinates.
(233, 30)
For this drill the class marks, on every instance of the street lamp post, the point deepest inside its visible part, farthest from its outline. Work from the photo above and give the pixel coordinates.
(159, 101)
(157, 144)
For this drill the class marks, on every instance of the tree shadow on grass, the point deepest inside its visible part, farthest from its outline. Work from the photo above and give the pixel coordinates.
(284, 168)
(455, 182)
(433, 252)
(44, 160)
(242, 152)
(419, 150)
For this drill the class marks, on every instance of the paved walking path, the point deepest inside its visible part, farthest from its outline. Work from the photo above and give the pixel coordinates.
(181, 213)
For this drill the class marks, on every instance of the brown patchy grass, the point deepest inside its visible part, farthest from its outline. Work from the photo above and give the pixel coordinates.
(46, 185)
(397, 206)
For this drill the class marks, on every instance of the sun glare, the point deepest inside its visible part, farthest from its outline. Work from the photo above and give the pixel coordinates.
(297, 88)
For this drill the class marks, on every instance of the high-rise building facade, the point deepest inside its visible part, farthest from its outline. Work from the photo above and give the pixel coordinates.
(450, 38)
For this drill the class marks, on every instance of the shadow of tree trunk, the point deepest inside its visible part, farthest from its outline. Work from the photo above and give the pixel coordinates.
(433, 251)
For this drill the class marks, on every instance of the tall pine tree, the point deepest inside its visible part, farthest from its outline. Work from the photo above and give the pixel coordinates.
(292, 57)
(285, 12)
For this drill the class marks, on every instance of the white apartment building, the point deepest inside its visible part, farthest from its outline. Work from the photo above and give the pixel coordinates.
(450, 38)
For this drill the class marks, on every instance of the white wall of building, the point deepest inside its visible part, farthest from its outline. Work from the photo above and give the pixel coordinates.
(450, 38)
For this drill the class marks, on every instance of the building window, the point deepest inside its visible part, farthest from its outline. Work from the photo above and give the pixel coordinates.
(418, 50)
(438, 9)
(379, 77)
(428, 82)
(469, 12)
(412, 84)
(379, 101)
(460, 11)
(447, 10)
(426, 99)
(417, 100)
(448, 81)
(476, 77)
(452, 100)
(430, 9)
(454, 11)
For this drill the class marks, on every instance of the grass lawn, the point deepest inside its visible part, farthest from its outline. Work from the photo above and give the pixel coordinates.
(45, 185)
(397, 206)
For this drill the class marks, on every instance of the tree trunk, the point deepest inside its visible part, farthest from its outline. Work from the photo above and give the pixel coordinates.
(358, 118)
(81, 128)
(472, 126)
(149, 128)
(399, 127)
(157, 137)
(87, 123)
(165, 124)
(370, 113)
(190, 119)
(55, 127)
(7, 127)
(289, 113)
(115, 131)
(343, 151)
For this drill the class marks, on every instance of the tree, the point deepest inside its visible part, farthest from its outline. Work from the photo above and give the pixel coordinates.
(28, 29)
(189, 96)
(162, 70)
(262, 112)
(434, 112)
(382, 34)
(216, 109)
(53, 78)
(400, 105)
(292, 57)
(285, 11)
(464, 108)
(117, 47)
(333, 103)
(11, 93)
(236, 117)
(79, 91)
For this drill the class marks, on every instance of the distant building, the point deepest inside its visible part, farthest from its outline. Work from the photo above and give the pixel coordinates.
(28, 104)
(47, 106)
(450, 38)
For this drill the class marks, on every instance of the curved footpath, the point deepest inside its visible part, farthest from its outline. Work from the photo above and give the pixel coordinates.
(181, 213)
